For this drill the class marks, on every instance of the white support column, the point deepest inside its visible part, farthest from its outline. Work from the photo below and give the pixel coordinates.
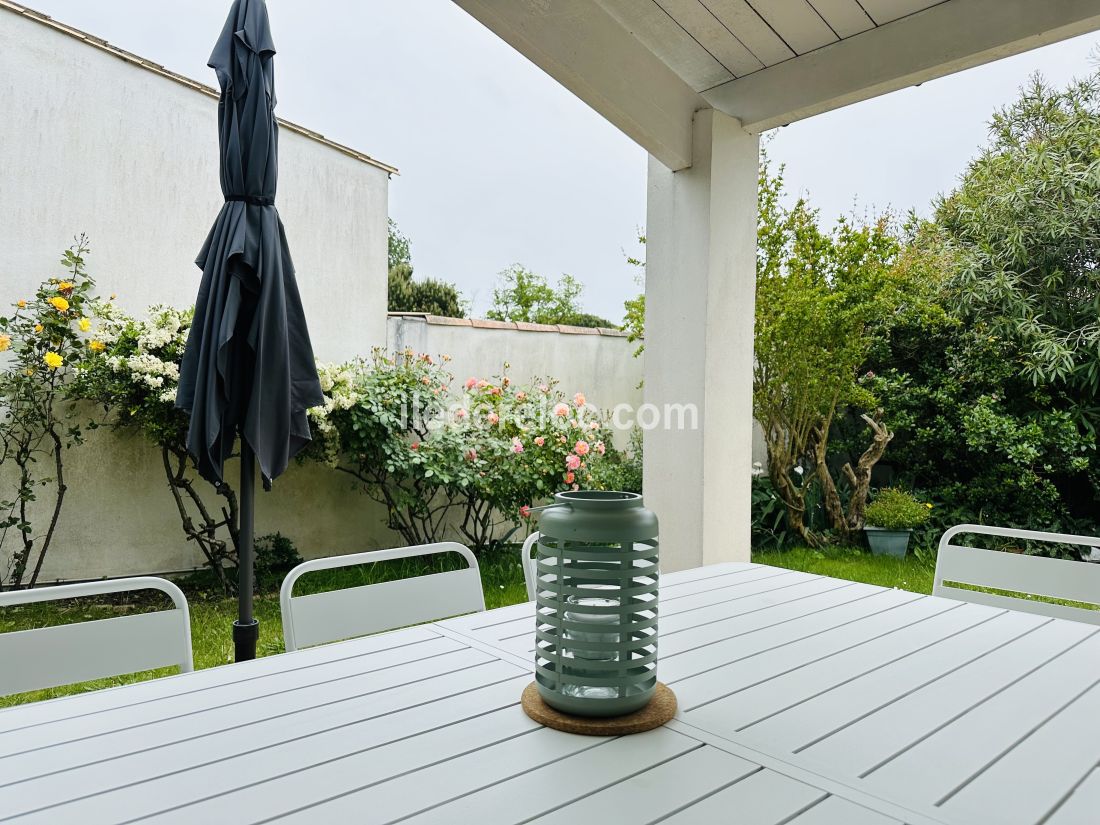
(700, 289)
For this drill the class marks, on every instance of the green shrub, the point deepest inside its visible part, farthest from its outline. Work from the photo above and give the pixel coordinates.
(454, 463)
(275, 556)
(895, 509)
(621, 470)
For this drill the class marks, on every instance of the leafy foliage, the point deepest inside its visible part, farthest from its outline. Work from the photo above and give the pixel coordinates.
(895, 509)
(634, 320)
(445, 462)
(996, 396)
(134, 378)
(276, 556)
(399, 247)
(822, 300)
(427, 295)
(45, 340)
(523, 295)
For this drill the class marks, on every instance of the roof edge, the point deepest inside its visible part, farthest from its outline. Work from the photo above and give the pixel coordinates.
(520, 326)
(183, 80)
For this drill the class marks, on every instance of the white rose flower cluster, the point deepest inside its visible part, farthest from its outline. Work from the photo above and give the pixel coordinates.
(153, 363)
(338, 383)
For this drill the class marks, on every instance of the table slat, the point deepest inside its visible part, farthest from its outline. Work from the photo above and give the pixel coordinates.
(660, 791)
(1081, 807)
(764, 798)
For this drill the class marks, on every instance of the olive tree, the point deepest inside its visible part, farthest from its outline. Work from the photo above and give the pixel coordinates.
(822, 299)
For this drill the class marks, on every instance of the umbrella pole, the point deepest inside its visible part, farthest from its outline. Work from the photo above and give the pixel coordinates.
(246, 630)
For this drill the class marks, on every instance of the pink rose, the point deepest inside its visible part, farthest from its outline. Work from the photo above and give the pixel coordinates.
(572, 462)
(539, 440)
(415, 445)
(493, 418)
(525, 511)
(600, 448)
(544, 388)
(521, 396)
(594, 426)
(570, 478)
(460, 413)
(482, 384)
(517, 445)
(578, 399)
(581, 448)
(471, 383)
(561, 410)
(471, 454)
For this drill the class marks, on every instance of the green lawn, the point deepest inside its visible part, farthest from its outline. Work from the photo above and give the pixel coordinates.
(212, 616)
(911, 573)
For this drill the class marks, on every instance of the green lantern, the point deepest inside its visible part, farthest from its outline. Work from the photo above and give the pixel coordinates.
(596, 619)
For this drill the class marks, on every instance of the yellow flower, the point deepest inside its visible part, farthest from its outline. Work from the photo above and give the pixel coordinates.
(59, 303)
(37, 327)
(85, 325)
(96, 346)
(5, 342)
(65, 286)
(29, 370)
(53, 360)
(21, 304)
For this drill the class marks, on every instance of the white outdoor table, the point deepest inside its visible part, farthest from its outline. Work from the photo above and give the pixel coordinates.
(804, 700)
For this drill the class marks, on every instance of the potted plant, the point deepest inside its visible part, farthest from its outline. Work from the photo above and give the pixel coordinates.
(890, 520)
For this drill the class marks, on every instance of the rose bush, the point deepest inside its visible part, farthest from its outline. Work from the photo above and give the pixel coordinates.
(42, 343)
(133, 374)
(447, 460)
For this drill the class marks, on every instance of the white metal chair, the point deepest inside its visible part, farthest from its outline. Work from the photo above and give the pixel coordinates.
(373, 608)
(528, 559)
(71, 653)
(1032, 575)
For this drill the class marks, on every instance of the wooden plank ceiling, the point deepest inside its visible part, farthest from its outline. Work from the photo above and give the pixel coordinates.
(710, 42)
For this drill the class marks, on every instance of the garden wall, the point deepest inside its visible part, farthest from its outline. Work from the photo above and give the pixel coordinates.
(120, 519)
(96, 140)
(597, 362)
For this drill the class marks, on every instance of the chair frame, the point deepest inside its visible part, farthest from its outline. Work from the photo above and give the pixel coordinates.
(375, 608)
(82, 651)
(530, 562)
(1077, 581)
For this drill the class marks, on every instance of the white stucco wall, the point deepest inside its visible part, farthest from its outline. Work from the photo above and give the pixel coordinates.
(91, 142)
(599, 364)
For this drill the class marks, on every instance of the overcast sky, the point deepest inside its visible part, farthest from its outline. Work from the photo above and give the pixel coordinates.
(499, 164)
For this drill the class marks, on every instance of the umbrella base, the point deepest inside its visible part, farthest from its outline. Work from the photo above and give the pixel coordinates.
(245, 637)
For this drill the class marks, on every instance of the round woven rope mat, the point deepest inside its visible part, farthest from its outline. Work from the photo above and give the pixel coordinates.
(660, 709)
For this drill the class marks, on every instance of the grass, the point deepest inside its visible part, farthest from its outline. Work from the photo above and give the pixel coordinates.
(212, 615)
(914, 572)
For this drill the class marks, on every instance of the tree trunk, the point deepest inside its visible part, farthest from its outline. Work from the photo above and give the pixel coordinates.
(860, 477)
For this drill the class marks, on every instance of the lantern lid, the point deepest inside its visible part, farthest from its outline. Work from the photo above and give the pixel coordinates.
(598, 499)
(598, 516)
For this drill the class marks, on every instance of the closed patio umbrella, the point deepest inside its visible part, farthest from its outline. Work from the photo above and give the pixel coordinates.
(248, 369)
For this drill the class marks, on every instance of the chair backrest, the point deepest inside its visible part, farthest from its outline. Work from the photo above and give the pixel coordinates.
(71, 653)
(528, 556)
(374, 608)
(1062, 579)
